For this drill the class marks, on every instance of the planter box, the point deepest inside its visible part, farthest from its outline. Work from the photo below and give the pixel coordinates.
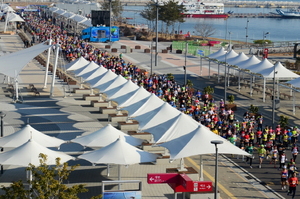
(114, 50)
(137, 47)
(231, 106)
(107, 47)
(147, 50)
(164, 51)
(123, 47)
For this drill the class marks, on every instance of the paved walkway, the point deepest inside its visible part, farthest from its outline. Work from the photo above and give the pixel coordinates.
(67, 116)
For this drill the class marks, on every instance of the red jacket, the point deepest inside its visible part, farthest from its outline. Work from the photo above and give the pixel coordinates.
(293, 181)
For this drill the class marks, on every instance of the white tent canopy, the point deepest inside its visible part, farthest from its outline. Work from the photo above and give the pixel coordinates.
(236, 60)
(173, 128)
(139, 95)
(124, 92)
(118, 152)
(11, 66)
(249, 62)
(230, 54)
(198, 142)
(12, 17)
(282, 72)
(86, 69)
(87, 22)
(151, 104)
(29, 153)
(20, 137)
(295, 82)
(116, 85)
(103, 81)
(219, 53)
(157, 116)
(97, 73)
(257, 68)
(77, 64)
(104, 137)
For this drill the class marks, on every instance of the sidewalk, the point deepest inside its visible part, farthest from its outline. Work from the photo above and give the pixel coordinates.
(68, 117)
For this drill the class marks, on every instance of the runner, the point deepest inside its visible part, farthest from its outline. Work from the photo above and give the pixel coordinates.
(295, 151)
(293, 183)
(284, 177)
(274, 156)
(250, 149)
(262, 154)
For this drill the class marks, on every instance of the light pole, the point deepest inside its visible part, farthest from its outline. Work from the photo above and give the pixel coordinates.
(156, 39)
(216, 142)
(229, 40)
(247, 32)
(2, 115)
(273, 100)
(110, 21)
(184, 67)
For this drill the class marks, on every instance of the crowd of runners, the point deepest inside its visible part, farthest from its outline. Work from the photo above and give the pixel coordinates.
(251, 134)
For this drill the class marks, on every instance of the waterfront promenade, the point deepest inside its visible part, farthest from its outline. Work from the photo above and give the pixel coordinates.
(67, 116)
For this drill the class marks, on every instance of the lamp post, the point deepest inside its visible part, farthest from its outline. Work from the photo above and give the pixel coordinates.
(273, 100)
(156, 39)
(184, 67)
(216, 142)
(2, 115)
(229, 40)
(247, 32)
(110, 21)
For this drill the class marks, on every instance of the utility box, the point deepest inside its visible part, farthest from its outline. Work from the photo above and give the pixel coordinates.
(277, 104)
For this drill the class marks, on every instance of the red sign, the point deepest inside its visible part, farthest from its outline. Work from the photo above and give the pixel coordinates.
(180, 182)
(157, 178)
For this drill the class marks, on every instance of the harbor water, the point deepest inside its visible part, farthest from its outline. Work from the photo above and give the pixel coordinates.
(279, 29)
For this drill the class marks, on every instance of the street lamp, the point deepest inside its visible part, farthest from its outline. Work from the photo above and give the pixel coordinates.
(229, 40)
(156, 39)
(110, 21)
(2, 115)
(247, 32)
(273, 100)
(216, 142)
(184, 67)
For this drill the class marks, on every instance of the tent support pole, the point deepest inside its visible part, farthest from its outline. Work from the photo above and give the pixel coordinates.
(209, 69)
(54, 70)
(201, 169)
(218, 72)
(264, 91)
(17, 89)
(239, 80)
(251, 79)
(119, 176)
(107, 169)
(294, 105)
(47, 64)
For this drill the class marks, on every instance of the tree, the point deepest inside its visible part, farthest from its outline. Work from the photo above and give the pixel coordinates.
(116, 8)
(47, 183)
(204, 29)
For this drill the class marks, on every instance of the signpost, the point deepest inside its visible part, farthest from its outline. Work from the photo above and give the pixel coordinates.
(179, 182)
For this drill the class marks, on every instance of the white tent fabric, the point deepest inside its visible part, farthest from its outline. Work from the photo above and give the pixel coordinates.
(116, 85)
(79, 18)
(8, 9)
(124, 92)
(103, 81)
(132, 107)
(197, 142)
(86, 69)
(29, 153)
(257, 68)
(230, 54)
(282, 72)
(139, 95)
(20, 137)
(77, 64)
(235, 60)
(118, 152)
(152, 103)
(173, 128)
(97, 73)
(219, 53)
(87, 22)
(158, 116)
(60, 11)
(249, 62)
(52, 9)
(105, 136)
(12, 17)
(68, 14)
(11, 66)
(295, 82)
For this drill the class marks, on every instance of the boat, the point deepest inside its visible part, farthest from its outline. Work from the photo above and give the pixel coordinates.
(197, 9)
(289, 14)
